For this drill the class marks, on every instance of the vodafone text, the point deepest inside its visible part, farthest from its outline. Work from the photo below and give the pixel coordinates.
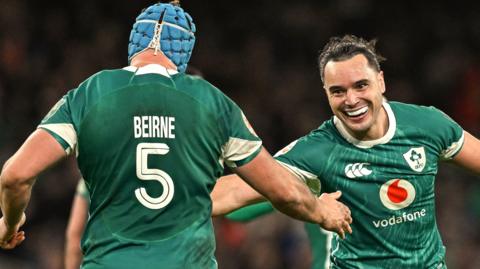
(393, 220)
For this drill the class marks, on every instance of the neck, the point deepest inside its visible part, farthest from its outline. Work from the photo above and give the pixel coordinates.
(378, 129)
(150, 57)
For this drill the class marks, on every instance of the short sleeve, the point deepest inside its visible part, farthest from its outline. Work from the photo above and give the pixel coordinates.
(242, 143)
(58, 122)
(447, 135)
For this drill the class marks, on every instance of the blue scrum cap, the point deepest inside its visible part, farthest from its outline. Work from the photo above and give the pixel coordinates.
(164, 27)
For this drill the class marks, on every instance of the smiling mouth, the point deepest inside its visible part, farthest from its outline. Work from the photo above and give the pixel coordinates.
(357, 113)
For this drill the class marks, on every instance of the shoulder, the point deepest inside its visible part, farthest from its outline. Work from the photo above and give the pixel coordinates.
(196, 83)
(431, 124)
(418, 110)
(313, 145)
(107, 76)
(202, 90)
(104, 78)
(424, 117)
(325, 132)
(325, 137)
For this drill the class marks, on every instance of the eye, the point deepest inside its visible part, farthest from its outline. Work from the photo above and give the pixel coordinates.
(361, 85)
(337, 92)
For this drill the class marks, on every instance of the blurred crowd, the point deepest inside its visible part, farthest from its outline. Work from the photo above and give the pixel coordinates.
(263, 54)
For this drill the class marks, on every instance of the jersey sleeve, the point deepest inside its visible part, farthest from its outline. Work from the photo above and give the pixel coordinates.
(447, 135)
(82, 189)
(296, 157)
(251, 212)
(242, 143)
(58, 122)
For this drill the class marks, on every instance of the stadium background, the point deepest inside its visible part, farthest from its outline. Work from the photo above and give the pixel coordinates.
(263, 55)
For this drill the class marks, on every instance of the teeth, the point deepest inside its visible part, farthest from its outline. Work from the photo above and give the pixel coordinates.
(357, 112)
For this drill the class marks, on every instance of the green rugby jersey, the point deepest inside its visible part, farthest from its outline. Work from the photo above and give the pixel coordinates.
(150, 144)
(319, 241)
(387, 183)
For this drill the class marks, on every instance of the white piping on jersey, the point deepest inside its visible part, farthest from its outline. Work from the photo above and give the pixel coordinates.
(65, 131)
(392, 126)
(448, 153)
(328, 246)
(237, 149)
(334, 249)
(299, 173)
(151, 69)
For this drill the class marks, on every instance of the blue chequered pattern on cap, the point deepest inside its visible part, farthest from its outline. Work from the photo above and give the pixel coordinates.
(175, 43)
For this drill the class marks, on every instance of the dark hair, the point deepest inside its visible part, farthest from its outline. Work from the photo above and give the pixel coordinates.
(344, 48)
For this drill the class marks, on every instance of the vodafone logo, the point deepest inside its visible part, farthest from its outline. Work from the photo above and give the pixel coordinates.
(397, 194)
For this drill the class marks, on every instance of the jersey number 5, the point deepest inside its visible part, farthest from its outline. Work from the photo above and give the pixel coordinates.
(145, 173)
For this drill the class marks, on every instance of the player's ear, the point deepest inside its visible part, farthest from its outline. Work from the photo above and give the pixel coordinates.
(381, 81)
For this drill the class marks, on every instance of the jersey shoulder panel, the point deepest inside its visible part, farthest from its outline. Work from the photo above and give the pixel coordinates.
(444, 134)
(241, 143)
(200, 89)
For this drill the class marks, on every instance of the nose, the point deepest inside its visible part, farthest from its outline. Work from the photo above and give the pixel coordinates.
(351, 97)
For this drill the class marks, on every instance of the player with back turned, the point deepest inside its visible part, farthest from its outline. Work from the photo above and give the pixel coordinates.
(150, 143)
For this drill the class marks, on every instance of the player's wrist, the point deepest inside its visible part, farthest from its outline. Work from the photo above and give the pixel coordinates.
(8, 225)
(13, 225)
(320, 212)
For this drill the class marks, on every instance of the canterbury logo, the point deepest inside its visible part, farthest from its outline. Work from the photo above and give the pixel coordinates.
(354, 170)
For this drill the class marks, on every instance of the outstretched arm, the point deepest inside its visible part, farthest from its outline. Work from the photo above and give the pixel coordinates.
(39, 152)
(251, 212)
(287, 193)
(231, 193)
(469, 155)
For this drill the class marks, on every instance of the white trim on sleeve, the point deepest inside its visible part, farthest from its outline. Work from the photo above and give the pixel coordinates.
(237, 149)
(65, 131)
(453, 149)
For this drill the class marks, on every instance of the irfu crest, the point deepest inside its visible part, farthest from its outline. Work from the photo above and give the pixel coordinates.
(416, 158)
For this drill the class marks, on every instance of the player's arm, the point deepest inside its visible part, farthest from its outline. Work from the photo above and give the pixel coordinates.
(251, 212)
(231, 193)
(287, 193)
(76, 226)
(469, 155)
(38, 152)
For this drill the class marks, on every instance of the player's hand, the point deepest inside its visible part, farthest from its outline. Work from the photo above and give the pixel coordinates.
(336, 216)
(10, 237)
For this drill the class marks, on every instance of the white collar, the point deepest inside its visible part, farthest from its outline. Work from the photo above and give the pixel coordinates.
(392, 126)
(151, 69)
